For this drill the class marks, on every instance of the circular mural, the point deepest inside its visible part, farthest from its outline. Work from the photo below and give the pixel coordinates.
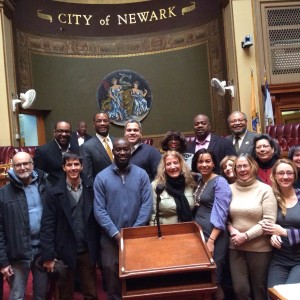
(124, 95)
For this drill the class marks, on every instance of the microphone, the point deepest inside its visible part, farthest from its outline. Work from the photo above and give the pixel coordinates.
(158, 190)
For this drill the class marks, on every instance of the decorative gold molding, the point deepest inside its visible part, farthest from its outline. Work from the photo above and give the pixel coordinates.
(129, 46)
(101, 1)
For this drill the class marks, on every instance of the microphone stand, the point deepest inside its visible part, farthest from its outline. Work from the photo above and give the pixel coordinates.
(158, 199)
(159, 189)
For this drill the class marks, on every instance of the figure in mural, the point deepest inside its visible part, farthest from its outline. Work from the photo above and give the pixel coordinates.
(124, 95)
(139, 101)
(115, 92)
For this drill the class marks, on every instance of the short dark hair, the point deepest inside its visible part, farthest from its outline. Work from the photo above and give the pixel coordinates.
(100, 112)
(55, 126)
(274, 145)
(200, 152)
(292, 151)
(174, 135)
(71, 156)
(130, 121)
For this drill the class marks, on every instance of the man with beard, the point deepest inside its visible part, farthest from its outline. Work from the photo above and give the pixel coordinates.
(97, 151)
(205, 139)
(122, 199)
(49, 156)
(21, 207)
(241, 138)
(142, 155)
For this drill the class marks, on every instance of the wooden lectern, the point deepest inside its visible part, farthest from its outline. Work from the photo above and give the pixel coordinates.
(176, 266)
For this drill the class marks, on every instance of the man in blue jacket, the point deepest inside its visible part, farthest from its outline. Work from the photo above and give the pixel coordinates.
(122, 199)
(21, 206)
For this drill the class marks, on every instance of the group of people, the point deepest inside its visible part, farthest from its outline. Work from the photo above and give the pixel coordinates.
(71, 201)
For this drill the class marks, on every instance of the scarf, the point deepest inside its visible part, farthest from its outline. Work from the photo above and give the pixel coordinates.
(175, 187)
(266, 165)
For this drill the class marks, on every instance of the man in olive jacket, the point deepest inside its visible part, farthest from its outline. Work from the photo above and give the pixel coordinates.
(69, 231)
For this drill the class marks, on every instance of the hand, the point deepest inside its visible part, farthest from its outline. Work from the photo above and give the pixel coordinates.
(238, 238)
(233, 230)
(271, 228)
(276, 241)
(49, 265)
(211, 246)
(7, 271)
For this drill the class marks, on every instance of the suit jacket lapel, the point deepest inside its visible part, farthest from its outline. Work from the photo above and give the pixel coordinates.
(99, 147)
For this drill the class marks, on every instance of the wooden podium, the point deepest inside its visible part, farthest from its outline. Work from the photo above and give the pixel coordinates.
(176, 266)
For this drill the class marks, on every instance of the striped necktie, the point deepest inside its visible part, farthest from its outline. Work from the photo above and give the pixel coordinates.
(108, 150)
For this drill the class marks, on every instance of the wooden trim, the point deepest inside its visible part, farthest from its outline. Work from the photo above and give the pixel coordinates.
(284, 88)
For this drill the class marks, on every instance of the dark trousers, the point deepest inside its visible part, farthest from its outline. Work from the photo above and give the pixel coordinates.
(110, 262)
(249, 272)
(87, 275)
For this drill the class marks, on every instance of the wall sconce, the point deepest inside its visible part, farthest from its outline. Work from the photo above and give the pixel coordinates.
(247, 42)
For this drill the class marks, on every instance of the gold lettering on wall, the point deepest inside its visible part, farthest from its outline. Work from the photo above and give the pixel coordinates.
(146, 16)
(188, 8)
(74, 19)
(44, 16)
(122, 19)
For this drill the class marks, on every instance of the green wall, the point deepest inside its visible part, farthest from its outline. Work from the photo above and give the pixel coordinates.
(179, 81)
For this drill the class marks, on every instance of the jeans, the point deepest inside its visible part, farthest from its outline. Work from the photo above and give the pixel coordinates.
(18, 281)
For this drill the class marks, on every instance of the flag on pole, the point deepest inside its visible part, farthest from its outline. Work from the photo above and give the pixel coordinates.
(269, 116)
(254, 111)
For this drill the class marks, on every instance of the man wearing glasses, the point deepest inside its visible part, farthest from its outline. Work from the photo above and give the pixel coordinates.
(241, 138)
(49, 156)
(21, 207)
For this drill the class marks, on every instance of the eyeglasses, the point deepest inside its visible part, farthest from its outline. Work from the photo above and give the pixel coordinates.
(240, 167)
(61, 131)
(287, 173)
(262, 146)
(237, 121)
(24, 164)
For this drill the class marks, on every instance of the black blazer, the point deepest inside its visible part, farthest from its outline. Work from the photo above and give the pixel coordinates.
(95, 158)
(219, 145)
(58, 238)
(247, 143)
(49, 159)
(74, 140)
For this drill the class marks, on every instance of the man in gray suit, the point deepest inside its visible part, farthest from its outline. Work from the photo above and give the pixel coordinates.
(241, 138)
(97, 151)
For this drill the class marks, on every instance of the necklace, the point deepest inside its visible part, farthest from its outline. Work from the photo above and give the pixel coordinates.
(198, 192)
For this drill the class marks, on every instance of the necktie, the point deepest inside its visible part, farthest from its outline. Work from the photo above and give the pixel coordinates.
(108, 150)
(236, 144)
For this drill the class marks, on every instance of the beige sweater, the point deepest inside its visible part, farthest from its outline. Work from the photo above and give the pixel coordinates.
(252, 202)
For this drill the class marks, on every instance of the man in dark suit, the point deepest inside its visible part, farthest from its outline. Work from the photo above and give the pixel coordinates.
(79, 136)
(96, 152)
(49, 156)
(241, 138)
(69, 231)
(142, 155)
(205, 139)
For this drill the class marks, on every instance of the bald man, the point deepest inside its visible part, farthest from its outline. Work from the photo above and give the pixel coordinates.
(205, 139)
(21, 207)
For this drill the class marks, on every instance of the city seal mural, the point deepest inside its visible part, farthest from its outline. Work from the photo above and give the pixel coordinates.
(124, 94)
